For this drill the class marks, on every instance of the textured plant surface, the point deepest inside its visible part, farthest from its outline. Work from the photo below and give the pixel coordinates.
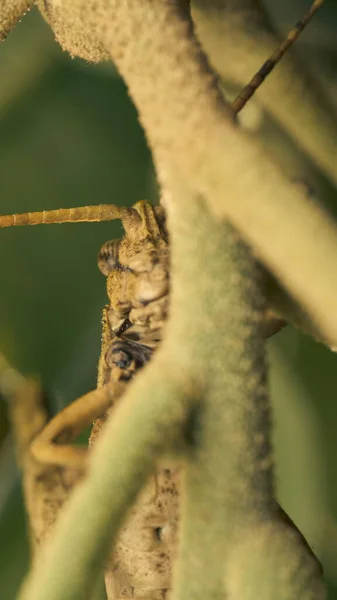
(203, 399)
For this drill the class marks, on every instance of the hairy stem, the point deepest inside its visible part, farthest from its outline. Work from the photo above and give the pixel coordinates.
(219, 329)
(216, 331)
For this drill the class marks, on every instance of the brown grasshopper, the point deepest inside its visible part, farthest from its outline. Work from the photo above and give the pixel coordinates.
(137, 272)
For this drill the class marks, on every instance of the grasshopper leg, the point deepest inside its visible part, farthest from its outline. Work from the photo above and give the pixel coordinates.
(51, 446)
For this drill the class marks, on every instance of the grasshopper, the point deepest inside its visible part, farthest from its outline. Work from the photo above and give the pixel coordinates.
(137, 272)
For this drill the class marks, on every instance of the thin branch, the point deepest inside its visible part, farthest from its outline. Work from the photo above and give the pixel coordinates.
(268, 66)
(238, 37)
(150, 417)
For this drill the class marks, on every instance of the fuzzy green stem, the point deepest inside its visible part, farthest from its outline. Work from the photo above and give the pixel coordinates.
(217, 308)
(142, 426)
(216, 330)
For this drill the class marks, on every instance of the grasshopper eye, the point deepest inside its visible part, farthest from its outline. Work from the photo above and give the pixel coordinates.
(108, 257)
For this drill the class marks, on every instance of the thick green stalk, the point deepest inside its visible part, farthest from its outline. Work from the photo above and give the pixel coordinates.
(216, 330)
(216, 309)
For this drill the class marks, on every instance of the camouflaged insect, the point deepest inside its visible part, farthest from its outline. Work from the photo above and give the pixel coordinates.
(137, 271)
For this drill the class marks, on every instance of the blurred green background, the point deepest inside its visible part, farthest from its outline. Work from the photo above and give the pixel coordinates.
(69, 136)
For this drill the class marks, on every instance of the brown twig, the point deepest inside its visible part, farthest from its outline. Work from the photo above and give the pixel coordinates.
(250, 89)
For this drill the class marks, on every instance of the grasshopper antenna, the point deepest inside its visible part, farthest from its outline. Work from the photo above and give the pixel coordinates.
(84, 214)
(269, 65)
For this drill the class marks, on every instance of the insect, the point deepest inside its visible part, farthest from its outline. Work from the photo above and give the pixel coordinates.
(137, 272)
